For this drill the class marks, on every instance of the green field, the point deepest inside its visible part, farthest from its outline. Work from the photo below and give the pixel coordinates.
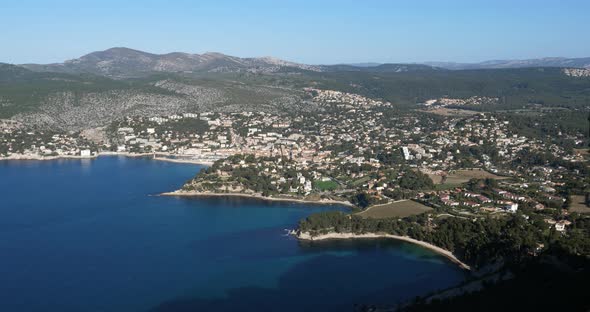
(325, 185)
(399, 209)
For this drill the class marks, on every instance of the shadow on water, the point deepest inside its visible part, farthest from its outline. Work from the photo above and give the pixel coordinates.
(338, 275)
(273, 243)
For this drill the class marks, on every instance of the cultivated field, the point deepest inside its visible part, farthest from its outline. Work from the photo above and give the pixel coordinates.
(436, 179)
(464, 175)
(400, 209)
(578, 204)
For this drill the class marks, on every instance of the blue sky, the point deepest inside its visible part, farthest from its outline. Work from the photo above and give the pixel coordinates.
(317, 32)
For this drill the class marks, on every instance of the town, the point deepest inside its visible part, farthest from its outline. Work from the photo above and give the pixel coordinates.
(355, 150)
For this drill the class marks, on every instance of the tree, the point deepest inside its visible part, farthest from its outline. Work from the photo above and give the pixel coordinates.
(362, 199)
(415, 180)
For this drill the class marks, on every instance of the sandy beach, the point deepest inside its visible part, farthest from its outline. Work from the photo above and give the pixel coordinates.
(184, 161)
(257, 196)
(438, 250)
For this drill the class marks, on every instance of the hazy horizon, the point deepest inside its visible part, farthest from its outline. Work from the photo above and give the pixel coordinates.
(328, 32)
(328, 63)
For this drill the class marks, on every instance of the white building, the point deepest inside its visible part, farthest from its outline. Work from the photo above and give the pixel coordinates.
(158, 119)
(512, 207)
(85, 153)
(406, 152)
(125, 129)
(307, 186)
(251, 131)
(560, 226)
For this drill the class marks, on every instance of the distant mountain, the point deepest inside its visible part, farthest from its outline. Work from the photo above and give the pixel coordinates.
(93, 90)
(129, 63)
(498, 64)
(126, 63)
(9, 72)
(75, 98)
(76, 101)
(367, 64)
(380, 68)
(123, 63)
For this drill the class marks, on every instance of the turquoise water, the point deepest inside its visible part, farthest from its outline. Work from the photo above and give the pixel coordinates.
(85, 235)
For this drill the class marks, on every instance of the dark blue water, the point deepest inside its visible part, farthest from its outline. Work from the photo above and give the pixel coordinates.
(87, 236)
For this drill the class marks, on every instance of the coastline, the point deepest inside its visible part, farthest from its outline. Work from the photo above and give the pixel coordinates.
(157, 156)
(303, 236)
(443, 252)
(184, 161)
(257, 196)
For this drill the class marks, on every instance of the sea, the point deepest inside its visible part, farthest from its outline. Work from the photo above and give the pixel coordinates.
(93, 235)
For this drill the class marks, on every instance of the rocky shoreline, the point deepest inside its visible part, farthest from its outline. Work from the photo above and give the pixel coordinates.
(258, 196)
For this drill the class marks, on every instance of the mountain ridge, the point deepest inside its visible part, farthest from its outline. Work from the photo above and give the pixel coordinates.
(122, 62)
(78, 100)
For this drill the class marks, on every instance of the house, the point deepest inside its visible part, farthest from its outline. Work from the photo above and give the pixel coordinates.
(470, 204)
(483, 199)
(449, 202)
(85, 153)
(513, 196)
(511, 207)
(499, 191)
(560, 225)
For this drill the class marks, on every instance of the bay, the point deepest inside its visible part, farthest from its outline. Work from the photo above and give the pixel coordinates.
(89, 235)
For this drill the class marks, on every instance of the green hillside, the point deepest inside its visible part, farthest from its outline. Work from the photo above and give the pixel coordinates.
(22, 90)
(515, 87)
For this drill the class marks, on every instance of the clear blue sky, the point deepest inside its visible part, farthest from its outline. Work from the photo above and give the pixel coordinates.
(43, 31)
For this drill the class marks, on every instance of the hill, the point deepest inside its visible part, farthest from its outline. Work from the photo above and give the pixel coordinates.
(67, 101)
(127, 63)
(515, 88)
(96, 88)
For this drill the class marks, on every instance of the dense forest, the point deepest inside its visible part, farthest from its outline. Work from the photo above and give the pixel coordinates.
(478, 242)
(516, 88)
